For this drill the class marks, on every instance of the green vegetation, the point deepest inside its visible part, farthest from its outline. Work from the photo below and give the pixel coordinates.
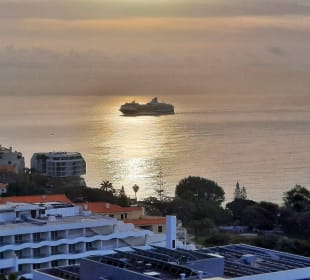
(198, 204)
(35, 184)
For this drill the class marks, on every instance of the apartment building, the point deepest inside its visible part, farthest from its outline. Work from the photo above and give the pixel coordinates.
(11, 161)
(59, 164)
(50, 234)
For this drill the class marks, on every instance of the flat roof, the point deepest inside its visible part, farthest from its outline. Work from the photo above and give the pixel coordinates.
(153, 261)
(36, 198)
(77, 221)
(243, 260)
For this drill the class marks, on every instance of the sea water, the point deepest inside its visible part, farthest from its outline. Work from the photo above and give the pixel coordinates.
(261, 141)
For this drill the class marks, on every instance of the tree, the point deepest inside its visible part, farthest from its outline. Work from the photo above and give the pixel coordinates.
(107, 186)
(198, 188)
(122, 198)
(238, 207)
(240, 193)
(243, 194)
(258, 217)
(160, 186)
(135, 188)
(237, 192)
(298, 199)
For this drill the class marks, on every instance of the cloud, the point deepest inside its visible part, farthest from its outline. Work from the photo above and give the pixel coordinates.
(146, 47)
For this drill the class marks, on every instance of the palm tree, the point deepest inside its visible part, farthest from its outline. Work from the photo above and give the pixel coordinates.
(135, 188)
(106, 186)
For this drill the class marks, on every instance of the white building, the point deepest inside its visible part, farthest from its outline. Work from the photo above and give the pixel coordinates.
(59, 164)
(11, 161)
(50, 234)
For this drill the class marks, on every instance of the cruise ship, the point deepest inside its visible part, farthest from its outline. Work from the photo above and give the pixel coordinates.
(151, 108)
(50, 234)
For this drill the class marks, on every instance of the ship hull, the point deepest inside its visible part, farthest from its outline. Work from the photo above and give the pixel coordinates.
(145, 113)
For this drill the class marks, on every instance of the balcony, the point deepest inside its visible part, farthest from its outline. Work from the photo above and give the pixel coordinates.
(5, 263)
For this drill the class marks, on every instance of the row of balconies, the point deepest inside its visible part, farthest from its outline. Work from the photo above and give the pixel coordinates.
(55, 235)
(46, 251)
(27, 268)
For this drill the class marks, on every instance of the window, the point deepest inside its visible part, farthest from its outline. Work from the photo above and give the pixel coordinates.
(122, 216)
(111, 215)
(125, 215)
(36, 236)
(71, 262)
(54, 263)
(54, 250)
(18, 254)
(160, 228)
(54, 235)
(89, 246)
(71, 248)
(18, 238)
(36, 252)
(36, 266)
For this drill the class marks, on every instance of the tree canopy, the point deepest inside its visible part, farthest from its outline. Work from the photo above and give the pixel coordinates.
(197, 188)
(298, 199)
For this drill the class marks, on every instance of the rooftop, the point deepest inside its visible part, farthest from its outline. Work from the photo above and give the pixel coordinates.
(106, 208)
(56, 215)
(243, 260)
(146, 261)
(36, 198)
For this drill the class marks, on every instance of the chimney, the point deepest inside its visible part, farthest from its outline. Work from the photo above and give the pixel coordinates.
(107, 205)
(182, 276)
(200, 275)
(171, 232)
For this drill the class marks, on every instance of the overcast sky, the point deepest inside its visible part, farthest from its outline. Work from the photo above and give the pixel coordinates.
(162, 47)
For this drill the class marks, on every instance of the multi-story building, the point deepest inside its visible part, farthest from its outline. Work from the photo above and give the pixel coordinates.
(59, 164)
(11, 161)
(50, 234)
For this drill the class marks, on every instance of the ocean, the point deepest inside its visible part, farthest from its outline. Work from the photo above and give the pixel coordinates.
(261, 141)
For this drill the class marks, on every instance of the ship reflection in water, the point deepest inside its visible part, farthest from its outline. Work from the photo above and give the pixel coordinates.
(151, 108)
(134, 150)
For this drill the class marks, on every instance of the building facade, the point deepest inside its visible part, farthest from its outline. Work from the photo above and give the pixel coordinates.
(50, 234)
(11, 161)
(133, 214)
(59, 164)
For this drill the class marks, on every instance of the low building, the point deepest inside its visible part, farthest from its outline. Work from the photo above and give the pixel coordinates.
(59, 164)
(132, 214)
(237, 262)
(49, 234)
(11, 161)
(140, 263)
(245, 262)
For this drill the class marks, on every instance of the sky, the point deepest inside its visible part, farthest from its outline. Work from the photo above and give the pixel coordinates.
(154, 47)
